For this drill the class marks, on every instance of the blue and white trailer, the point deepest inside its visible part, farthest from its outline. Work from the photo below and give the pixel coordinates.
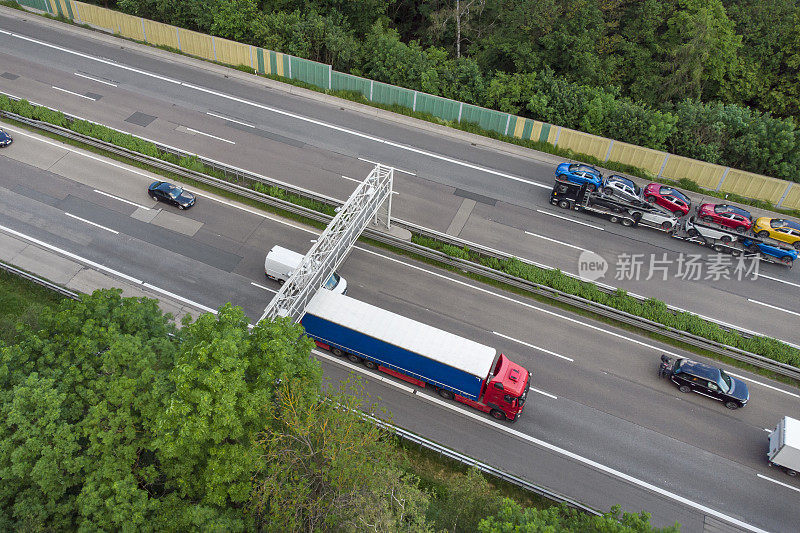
(456, 367)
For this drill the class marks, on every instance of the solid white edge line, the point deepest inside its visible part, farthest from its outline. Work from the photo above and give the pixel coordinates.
(179, 298)
(555, 241)
(230, 119)
(778, 482)
(561, 451)
(95, 79)
(534, 347)
(253, 283)
(208, 135)
(762, 384)
(570, 219)
(120, 199)
(115, 232)
(74, 93)
(774, 307)
(760, 275)
(385, 165)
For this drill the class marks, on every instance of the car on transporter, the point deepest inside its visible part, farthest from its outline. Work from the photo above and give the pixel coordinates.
(580, 174)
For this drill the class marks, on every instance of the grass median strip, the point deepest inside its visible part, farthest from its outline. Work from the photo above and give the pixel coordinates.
(651, 309)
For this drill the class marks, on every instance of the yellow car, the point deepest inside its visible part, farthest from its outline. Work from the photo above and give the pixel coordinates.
(779, 229)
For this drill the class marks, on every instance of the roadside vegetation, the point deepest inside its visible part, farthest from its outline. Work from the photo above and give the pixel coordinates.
(113, 417)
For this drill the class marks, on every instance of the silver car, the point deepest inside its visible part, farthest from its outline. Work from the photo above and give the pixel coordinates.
(623, 188)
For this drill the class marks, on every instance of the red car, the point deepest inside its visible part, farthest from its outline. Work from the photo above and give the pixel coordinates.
(726, 215)
(667, 197)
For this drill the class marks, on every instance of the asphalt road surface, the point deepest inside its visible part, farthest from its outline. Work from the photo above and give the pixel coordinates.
(474, 188)
(599, 426)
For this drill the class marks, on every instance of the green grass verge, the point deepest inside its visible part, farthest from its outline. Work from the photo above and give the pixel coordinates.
(650, 309)
(21, 302)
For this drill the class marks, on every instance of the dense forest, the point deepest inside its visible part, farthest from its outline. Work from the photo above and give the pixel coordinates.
(114, 419)
(717, 80)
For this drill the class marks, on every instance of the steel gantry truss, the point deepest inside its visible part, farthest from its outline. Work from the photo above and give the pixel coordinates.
(334, 244)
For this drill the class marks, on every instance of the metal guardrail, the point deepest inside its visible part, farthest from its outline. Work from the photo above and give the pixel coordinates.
(244, 176)
(43, 282)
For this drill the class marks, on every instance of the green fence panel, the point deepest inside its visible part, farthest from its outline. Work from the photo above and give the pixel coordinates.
(527, 130)
(41, 5)
(488, 119)
(348, 82)
(437, 106)
(260, 60)
(310, 72)
(386, 94)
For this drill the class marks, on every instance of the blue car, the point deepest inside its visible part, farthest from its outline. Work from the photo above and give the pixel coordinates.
(5, 138)
(783, 255)
(580, 174)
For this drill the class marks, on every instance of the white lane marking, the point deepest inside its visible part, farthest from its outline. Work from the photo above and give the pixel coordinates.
(557, 242)
(94, 58)
(562, 451)
(115, 232)
(762, 384)
(120, 199)
(534, 347)
(767, 430)
(543, 393)
(356, 368)
(570, 219)
(262, 287)
(779, 280)
(230, 119)
(73, 93)
(95, 79)
(104, 268)
(384, 164)
(774, 307)
(208, 135)
(778, 482)
(351, 179)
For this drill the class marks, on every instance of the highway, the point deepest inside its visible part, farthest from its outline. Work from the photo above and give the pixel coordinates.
(477, 189)
(599, 425)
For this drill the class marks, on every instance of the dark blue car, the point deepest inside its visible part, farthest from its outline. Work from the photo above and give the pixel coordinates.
(162, 191)
(710, 381)
(580, 174)
(5, 138)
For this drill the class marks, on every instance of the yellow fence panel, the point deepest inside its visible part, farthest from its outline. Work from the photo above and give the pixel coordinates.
(792, 200)
(753, 185)
(196, 44)
(704, 174)
(584, 143)
(637, 156)
(160, 34)
(129, 26)
(232, 53)
(96, 16)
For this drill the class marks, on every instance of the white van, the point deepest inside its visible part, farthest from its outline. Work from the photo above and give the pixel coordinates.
(281, 263)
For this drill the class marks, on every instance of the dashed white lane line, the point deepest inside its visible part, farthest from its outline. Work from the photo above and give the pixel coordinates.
(763, 384)
(351, 179)
(556, 449)
(74, 93)
(254, 284)
(120, 199)
(104, 268)
(781, 483)
(774, 307)
(767, 430)
(395, 168)
(570, 219)
(760, 275)
(557, 242)
(543, 393)
(209, 135)
(115, 232)
(230, 119)
(95, 79)
(534, 347)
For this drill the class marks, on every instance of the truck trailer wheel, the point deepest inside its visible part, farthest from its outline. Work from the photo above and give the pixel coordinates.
(613, 219)
(354, 358)
(370, 364)
(446, 394)
(564, 204)
(497, 415)
(337, 352)
(627, 222)
(791, 472)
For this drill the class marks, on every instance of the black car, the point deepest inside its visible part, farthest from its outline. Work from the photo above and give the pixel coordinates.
(691, 376)
(5, 138)
(161, 191)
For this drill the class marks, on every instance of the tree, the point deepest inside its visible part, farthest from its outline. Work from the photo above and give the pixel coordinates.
(459, 14)
(512, 518)
(325, 467)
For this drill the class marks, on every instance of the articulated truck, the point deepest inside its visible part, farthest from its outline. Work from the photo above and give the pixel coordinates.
(456, 368)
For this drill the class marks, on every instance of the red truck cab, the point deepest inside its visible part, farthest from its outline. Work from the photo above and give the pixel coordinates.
(504, 391)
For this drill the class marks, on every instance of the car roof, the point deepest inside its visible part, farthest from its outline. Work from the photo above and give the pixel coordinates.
(623, 179)
(725, 208)
(700, 370)
(581, 166)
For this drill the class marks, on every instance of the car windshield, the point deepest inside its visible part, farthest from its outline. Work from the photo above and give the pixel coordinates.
(175, 192)
(724, 382)
(777, 223)
(333, 281)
